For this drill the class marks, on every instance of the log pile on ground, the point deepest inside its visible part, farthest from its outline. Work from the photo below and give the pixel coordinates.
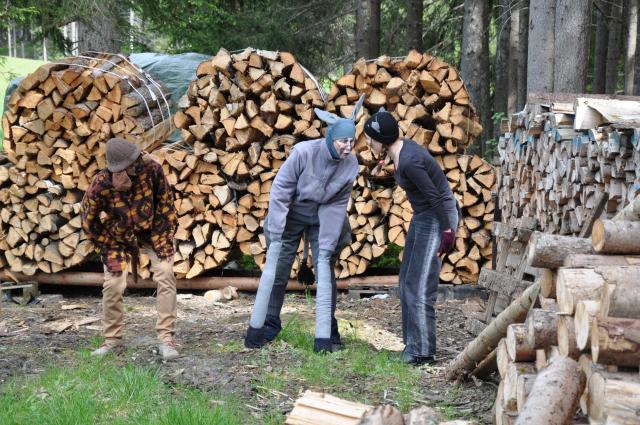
(556, 158)
(55, 127)
(581, 347)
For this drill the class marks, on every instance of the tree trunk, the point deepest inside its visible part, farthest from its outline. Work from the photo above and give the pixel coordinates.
(621, 299)
(522, 53)
(567, 345)
(102, 34)
(368, 29)
(616, 237)
(600, 48)
(514, 47)
(488, 339)
(518, 347)
(502, 68)
(542, 327)
(540, 53)
(549, 251)
(575, 285)
(630, 56)
(474, 62)
(571, 58)
(555, 394)
(514, 371)
(616, 341)
(614, 46)
(523, 389)
(414, 25)
(589, 260)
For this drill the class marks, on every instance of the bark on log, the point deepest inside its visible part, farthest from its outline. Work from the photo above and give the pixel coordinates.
(482, 345)
(588, 261)
(621, 299)
(555, 394)
(616, 341)
(631, 212)
(518, 346)
(541, 326)
(549, 251)
(616, 237)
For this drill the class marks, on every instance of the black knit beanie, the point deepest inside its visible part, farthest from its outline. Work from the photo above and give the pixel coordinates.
(382, 127)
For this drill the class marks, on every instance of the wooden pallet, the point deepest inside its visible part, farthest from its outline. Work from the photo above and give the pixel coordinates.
(28, 290)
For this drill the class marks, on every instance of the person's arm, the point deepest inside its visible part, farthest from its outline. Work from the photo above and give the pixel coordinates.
(91, 223)
(164, 217)
(443, 203)
(282, 192)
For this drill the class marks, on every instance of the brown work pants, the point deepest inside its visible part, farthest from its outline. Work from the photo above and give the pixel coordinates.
(112, 300)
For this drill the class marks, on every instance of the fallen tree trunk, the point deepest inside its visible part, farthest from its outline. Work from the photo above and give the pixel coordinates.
(488, 339)
(616, 237)
(591, 260)
(555, 394)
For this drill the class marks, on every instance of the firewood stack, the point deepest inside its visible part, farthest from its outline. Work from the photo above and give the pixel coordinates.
(206, 209)
(554, 162)
(55, 128)
(250, 108)
(581, 348)
(39, 223)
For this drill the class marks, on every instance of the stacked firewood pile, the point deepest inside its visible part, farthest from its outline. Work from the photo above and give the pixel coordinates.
(556, 158)
(581, 347)
(238, 120)
(55, 127)
(251, 107)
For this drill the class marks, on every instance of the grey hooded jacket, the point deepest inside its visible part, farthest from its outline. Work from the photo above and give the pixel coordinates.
(313, 186)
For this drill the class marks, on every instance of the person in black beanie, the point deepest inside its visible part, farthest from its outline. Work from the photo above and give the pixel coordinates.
(431, 232)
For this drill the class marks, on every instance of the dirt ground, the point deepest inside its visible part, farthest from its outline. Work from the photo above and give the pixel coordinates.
(35, 337)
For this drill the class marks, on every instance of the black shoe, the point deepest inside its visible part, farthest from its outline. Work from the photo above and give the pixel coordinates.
(255, 338)
(336, 341)
(416, 360)
(323, 345)
(272, 327)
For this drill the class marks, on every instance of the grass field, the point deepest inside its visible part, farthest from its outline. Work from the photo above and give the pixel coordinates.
(11, 68)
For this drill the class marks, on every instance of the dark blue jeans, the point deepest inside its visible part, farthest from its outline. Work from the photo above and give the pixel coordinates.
(293, 232)
(419, 278)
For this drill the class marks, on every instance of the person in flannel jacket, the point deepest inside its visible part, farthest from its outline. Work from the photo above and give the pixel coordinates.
(129, 208)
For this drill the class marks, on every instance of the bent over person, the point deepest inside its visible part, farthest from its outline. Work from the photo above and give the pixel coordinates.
(309, 196)
(431, 232)
(127, 209)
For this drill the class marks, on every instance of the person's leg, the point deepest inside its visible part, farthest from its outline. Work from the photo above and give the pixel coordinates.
(406, 294)
(421, 287)
(293, 231)
(265, 317)
(165, 279)
(112, 310)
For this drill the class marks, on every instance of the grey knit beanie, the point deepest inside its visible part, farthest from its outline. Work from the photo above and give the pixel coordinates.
(120, 154)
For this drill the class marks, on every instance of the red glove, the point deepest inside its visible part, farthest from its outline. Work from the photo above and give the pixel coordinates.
(447, 242)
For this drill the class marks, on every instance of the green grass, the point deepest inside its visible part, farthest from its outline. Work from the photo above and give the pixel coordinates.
(96, 391)
(381, 371)
(11, 68)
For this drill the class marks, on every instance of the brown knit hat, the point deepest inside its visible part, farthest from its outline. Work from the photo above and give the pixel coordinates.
(120, 154)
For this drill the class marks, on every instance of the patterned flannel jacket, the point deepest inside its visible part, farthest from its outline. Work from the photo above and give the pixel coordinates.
(118, 222)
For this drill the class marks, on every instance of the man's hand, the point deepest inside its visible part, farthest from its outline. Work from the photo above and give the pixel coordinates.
(447, 242)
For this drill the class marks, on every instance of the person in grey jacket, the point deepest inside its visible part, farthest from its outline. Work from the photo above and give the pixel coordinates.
(309, 196)
(431, 232)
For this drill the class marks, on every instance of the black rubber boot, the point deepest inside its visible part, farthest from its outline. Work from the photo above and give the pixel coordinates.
(272, 327)
(322, 345)
(416, 360)
(255, 338)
